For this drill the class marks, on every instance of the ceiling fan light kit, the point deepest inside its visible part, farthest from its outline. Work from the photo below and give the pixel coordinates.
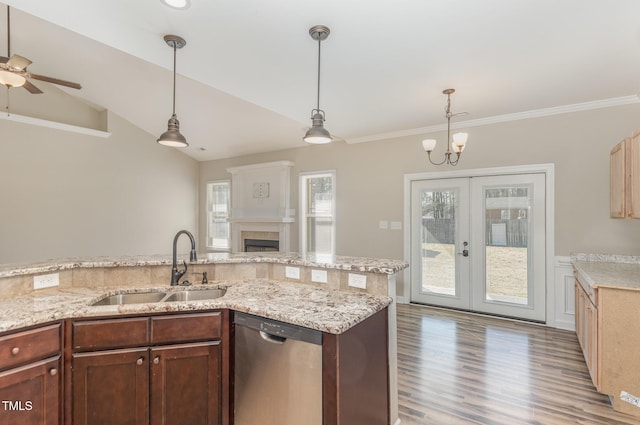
(455, 146)
(13, 69)
(317, 134)
(11, 79)
(172, 136)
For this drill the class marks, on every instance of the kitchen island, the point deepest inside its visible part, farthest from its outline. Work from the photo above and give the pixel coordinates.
(283, 287)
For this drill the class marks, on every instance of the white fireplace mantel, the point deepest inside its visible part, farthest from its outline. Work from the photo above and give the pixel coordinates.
(260, 202)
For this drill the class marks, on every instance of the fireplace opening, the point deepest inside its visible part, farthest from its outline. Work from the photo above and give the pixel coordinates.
(260, 245)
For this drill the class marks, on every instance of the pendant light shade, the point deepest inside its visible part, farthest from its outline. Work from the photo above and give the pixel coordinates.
(317, 134)
(172, 136)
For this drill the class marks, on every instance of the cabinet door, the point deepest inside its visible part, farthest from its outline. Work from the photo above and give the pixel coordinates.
(633, 174)
(592, 353)
(617, 181)
(111, 387)
(30, 394)
(185, 384)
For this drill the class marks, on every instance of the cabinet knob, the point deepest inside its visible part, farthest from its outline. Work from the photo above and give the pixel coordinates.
(140, 361)
(156, 360)
(15, 351)
(53, 372)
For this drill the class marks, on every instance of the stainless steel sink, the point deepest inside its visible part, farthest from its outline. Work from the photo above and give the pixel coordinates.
(196, 295)
(132, 298)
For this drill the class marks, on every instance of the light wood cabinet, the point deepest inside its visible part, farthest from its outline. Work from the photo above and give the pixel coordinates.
(625, 178)
(587, 331)
(30, 365)
(606, 320)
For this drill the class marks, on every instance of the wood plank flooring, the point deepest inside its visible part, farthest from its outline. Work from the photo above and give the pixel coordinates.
(460, 368)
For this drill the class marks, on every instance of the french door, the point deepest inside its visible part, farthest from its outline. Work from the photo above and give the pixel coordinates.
(478, 243)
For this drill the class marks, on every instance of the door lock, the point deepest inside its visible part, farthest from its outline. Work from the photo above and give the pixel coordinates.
(465, 251)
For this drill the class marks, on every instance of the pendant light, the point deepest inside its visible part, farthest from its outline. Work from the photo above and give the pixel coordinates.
(172, 136)
(453, 146)
(317, 134)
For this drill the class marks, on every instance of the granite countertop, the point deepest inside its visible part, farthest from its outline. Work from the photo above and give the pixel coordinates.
(326, 310)
(356, 264)
(602, 270)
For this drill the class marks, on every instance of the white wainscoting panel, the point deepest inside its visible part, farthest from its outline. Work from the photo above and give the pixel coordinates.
(564, 294)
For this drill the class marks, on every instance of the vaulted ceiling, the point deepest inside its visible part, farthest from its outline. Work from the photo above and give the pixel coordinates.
(247, 76)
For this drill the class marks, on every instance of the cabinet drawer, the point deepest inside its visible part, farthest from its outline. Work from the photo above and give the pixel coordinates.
(110, 333)
(185, 328)
(26, 346)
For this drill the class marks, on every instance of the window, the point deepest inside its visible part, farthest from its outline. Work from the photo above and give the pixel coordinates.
(218, 207)
(317, 206)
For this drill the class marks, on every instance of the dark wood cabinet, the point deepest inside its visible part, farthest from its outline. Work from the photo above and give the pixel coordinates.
(157, 383)
(185, 384)
(30, 394)
(356, 374)
(30, 371)
(111, 387)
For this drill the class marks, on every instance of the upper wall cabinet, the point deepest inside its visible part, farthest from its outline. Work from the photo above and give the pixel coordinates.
(625, 178)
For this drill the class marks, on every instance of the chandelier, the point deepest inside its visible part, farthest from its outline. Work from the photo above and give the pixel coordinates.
(455, 146)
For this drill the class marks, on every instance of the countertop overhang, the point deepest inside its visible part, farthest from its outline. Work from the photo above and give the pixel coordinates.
(355, 264)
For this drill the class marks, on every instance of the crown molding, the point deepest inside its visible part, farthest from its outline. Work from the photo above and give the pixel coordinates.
(536, 113)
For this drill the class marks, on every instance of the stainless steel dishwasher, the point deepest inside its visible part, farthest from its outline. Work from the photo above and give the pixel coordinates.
(278, 373)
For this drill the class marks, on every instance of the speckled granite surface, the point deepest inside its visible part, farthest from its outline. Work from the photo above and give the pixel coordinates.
(329, 311)
(356, 264)
(602, 270)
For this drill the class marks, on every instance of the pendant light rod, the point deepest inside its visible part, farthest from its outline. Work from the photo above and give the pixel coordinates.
(172, 136)
(174, 78)
(317, 134)
(319, 56)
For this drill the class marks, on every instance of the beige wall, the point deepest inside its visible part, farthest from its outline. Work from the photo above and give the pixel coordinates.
(370, 178)
(65, 194)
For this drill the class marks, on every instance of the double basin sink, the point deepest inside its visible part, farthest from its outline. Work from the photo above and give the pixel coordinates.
(156, 297)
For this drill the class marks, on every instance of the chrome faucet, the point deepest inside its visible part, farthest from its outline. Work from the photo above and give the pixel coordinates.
(175, 273)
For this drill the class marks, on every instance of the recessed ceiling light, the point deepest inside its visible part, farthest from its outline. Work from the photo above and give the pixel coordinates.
(177, 4)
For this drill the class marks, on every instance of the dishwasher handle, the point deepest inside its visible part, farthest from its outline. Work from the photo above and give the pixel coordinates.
(273, 339)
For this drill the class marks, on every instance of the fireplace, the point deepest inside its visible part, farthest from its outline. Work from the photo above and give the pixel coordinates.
(261, 245)
(260, 208)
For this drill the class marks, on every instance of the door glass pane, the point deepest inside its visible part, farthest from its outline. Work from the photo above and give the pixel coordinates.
(507, 211)
(438, 241)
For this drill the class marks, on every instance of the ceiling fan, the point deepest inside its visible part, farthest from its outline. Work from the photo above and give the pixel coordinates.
(13, 69)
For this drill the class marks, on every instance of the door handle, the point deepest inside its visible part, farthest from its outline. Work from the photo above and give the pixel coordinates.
(274, 339)
(465, 251)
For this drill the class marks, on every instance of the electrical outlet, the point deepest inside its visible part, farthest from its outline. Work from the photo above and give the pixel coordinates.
(319, 276)
(358, 281)
(46, 281)
(292, 272)
(384, 224)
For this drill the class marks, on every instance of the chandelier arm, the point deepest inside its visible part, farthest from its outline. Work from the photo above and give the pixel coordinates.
(446, 158)
(454, 163)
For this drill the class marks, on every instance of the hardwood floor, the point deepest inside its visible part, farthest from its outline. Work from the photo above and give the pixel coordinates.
(459, 368)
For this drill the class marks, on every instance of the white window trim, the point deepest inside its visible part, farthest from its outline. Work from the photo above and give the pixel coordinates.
(209, 247)
(302, 207)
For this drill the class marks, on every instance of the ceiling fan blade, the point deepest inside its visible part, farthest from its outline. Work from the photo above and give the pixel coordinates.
(55, 81)
(18, 62)
(31, 88)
